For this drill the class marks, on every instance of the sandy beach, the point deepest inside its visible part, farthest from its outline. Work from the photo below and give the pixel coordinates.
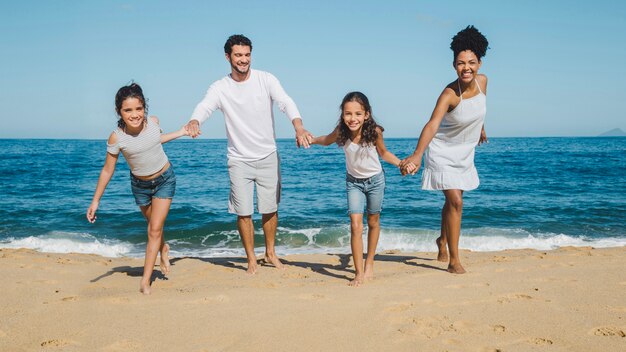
(570, 299)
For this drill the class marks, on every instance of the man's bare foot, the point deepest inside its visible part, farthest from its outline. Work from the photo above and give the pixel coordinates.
(165, 259)
(442, 256)
(252, 267)
(145, 288)
(358, 280)
(273, 259)
(369, 272)
(456, 269)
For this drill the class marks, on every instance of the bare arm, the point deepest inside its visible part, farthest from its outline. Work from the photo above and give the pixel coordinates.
(385, 154)
(483, 86)
(166, 137)
(429, 131)
(105, 176)
(327, 139)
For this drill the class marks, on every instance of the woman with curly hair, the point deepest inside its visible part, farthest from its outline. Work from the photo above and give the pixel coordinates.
(448, 140)
(362, 142)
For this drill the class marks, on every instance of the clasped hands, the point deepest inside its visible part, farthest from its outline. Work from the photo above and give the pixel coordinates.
(410, 165)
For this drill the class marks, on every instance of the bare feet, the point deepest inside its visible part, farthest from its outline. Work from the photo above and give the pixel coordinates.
(442, 256)
(358, 280)
(165, 259)
(456, 269)
(252, 267)
(369, 272)
(144, 287)
(273, 259)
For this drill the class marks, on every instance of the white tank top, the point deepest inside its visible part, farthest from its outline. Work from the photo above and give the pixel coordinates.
(361, 161)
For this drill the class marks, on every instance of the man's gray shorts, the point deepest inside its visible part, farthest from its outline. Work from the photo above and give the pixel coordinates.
(265, 174)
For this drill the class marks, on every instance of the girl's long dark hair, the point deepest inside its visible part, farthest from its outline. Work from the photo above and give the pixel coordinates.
(368, 131)
(132, 90)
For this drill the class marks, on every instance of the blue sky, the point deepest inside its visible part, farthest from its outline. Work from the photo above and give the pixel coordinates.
(555, 68)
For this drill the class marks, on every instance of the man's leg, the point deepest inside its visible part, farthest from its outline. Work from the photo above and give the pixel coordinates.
(240, 203)
(246, 231)
(270, 222)
(268, 196)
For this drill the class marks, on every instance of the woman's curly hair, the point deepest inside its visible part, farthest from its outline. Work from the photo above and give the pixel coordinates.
(368, 131)
(133, 90)
(469, 39)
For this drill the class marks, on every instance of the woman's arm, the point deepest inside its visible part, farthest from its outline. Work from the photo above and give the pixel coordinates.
(385, 154)
(105, 176)
(428, 132)
(327, 139)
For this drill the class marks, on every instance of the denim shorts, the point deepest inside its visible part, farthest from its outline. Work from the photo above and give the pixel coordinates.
(162, 186)
(365, 191)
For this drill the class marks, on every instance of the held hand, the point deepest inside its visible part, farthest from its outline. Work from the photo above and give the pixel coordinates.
(91, 212)
(183, 131)
(193, 128)
(410, 165)
(303, 138)
(483, 137)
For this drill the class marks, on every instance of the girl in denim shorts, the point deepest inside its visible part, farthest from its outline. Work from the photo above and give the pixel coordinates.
(152, 177)
(362, 142)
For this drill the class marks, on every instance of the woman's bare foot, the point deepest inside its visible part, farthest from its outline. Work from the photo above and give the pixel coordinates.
(144, 287)
(456, 269)
(442, 256)
(273, 259)
(165, 259)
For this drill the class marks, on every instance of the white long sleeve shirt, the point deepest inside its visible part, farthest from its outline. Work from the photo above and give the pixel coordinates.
(248, 114)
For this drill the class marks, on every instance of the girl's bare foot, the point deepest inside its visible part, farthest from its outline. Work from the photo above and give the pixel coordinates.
(456, 269)
(369, 272)
(442, 256)
(358, 280)
(165, 259)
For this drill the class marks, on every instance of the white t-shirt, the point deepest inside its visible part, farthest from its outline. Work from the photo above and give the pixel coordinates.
(361, 161)
(247, 108)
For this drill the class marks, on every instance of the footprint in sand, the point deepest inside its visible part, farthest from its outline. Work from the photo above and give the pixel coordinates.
(608, 331)
(70, 299)
(540, 341)
(509, 298)
(213, 299)
(402, 307)
(56, 343)
(313, 297)
(499, 329)
(123, 346)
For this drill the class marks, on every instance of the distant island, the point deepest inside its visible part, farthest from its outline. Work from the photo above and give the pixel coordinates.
(616, 132)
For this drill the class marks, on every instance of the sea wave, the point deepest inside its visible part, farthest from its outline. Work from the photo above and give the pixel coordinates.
(309, 241)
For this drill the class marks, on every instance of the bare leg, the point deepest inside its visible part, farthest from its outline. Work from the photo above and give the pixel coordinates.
(246, 231)
(157, 213)
(164, 249)
(356, 242)
(270, 223)
(373, 233)
(452, 223)
(442, 241)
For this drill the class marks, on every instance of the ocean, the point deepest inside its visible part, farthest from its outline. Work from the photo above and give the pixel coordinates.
(541, 193)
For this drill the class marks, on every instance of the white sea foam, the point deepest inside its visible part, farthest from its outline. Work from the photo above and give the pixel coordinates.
(68, 242)
(405, 240)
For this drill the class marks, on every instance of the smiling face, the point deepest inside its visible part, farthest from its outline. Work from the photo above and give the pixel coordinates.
(354, 115)
(467, 65)
(133, 114)
(239, 59)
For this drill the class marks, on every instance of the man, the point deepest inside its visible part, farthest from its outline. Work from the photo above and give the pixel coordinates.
(245, 97)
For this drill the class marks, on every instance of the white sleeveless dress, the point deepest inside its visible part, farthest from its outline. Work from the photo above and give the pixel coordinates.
(449, 158)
